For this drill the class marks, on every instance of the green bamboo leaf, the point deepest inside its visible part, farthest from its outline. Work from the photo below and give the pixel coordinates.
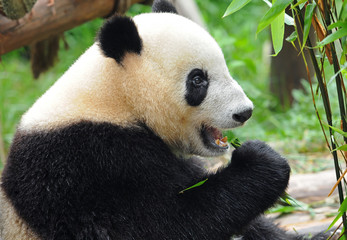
(194, 186)
(235, 142)
(287, 19)
(291, 201)
(283, 209)
(277, 32)
(307, 22)
(342, 32)
(292, 37)
(234, 6)
(277, 8)
(342, 148)
(342, 209)
(342, 68)
(293, 205)
(338, 24)
(299, 3)
(343, 12)
(338, 130)
(339, 215)
(343, 234)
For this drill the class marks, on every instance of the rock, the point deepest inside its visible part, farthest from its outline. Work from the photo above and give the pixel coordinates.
(312, 187)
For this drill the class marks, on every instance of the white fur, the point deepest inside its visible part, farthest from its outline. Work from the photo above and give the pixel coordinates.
(150, 87)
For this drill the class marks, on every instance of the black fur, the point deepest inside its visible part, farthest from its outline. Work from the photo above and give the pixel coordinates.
(119, 36)
(196, 93)
(100, 181)
(264, 229)
(163, 6)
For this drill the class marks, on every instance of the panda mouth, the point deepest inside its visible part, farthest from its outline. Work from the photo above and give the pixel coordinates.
(213, 138)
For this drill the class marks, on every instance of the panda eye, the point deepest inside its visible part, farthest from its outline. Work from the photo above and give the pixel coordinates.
(198, 78)
(196, 87)
(197, 81)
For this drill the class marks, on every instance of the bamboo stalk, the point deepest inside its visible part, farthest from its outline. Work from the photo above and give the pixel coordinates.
(327, 108)
(338, 77)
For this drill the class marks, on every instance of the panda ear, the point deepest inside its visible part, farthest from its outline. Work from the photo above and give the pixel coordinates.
(163, 6)
(118, 36)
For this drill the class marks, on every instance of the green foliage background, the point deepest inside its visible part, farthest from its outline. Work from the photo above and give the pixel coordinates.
(294, 130)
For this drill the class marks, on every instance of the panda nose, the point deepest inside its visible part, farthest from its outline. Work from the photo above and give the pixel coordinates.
(243, 116)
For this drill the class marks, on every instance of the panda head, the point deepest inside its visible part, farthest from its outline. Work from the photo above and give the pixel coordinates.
(178, 80)
(159, 69)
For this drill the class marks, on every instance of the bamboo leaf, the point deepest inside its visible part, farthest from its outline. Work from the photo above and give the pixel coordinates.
(194, 186)
(307, 21)
(277, 8)
(287, 19)
(338, 130)
(339, 215)
(343, 12)
(342, 209)
(235, 142)
(342, 148)
(338, 24)
(234, 6)
(343, 206)
(283, 209)
(343, 235)
(334, 36)
(291, 201)
(277, 32)
(299, 3)
(342, 68)
(292, 37)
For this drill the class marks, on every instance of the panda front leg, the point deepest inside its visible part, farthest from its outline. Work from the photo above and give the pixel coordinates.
(237, 194)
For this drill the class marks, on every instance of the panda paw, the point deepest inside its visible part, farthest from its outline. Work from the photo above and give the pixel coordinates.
(259, 158)
(256, 152)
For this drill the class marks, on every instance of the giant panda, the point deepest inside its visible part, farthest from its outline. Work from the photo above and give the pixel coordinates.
(105, 153)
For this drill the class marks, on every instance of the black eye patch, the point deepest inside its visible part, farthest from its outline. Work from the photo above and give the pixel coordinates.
(196, 87)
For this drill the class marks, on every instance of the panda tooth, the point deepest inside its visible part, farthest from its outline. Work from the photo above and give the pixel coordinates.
(224, 139)
(217, 141)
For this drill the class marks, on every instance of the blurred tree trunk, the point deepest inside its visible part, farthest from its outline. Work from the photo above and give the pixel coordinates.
(15, 9)
(50, 17)
(288, 69)
(189, 9)
(43, 26)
